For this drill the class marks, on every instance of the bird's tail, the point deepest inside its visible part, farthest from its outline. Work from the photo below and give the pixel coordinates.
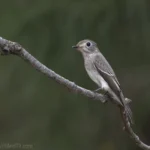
(126, 106)
(123, 102)
(129, 113)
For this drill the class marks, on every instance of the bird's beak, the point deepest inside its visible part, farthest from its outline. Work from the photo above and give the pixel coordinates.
(75, 46)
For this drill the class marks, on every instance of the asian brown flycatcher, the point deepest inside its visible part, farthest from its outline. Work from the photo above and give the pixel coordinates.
(100, 71)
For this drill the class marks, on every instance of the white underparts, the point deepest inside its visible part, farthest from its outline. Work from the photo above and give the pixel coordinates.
(95, 76)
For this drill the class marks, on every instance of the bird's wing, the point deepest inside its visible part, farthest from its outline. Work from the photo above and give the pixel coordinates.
(104, 68)
(109, 76)
(107, 73)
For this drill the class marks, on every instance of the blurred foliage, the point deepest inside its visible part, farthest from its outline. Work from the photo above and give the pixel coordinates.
(37, 111)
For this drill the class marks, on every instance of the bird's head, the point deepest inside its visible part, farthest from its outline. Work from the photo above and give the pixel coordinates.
(86, 46)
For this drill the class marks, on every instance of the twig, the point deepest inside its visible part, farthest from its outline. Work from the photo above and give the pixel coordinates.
(9, 47)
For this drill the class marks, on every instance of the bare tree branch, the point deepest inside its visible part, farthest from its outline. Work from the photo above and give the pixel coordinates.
(9, 47)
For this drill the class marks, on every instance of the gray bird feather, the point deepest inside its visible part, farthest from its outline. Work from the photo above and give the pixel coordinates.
(106, 71)
(102, 73)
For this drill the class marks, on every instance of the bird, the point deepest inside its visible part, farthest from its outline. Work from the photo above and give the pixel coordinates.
(100, 71)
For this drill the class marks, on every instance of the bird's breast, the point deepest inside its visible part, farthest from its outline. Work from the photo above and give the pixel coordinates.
(94, 74)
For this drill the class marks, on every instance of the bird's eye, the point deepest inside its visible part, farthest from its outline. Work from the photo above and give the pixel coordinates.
(88, 44)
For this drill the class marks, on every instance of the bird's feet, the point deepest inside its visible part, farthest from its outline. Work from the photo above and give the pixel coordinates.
(102, 91)
(99, 89)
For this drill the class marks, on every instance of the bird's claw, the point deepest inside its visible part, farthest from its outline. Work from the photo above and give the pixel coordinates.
(99, 89)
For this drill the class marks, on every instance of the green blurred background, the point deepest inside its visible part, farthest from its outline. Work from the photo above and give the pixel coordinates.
(36, 111)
